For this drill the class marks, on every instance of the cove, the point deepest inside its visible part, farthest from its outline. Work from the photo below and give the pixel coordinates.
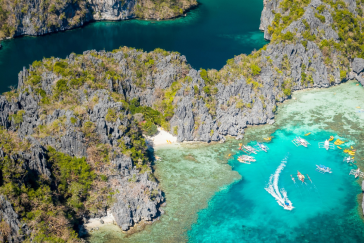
(208, 36)
(210, 197)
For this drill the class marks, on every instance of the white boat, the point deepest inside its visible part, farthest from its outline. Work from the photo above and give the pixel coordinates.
(243, 161)
(247, 158)
(323, 169)
(357, 173)
(298, 141)
(250, 149)
(326, 145)
(263, 147)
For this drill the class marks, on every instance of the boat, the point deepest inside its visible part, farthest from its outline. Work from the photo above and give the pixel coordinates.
(307, 134)
(243, 161)
(263, 147)
(247, 158)
(351, 147)
(349, 159)
(326, 145)
(300, 176)
(288, 205)
(323, 169)
(338, 147)
(250, 149)
(268, 138)
(279, 193)
(157, 158)
(356, 173)
(300, 141)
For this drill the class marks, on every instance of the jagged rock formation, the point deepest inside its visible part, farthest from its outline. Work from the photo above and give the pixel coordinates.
(83, 106)
(41, 17)
(10, 227)
(267, 17)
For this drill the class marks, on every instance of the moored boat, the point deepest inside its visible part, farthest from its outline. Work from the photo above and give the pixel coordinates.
(323, 169)
(300, 176)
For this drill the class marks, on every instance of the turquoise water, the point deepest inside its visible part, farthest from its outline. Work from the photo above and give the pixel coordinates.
(208, 36)
(325, 211)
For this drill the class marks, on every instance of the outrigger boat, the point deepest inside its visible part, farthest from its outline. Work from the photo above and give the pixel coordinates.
(298, 141)
(349, 159)
(262, 147)
(246, 159)
(323, 169)
(357, 173)
(249, 149)
(300, 177)
(326, 145)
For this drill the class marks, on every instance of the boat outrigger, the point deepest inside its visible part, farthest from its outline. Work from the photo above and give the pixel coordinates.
(298, 141)
(249, 149)
(323, 169)
(262, 147)
(349, 159)
(300, 177)
(294, 181)
(326, 145)
(246, 159)
(357, 173)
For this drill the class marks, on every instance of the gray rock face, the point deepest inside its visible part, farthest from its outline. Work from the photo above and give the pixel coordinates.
(144, 203)
(112, 9)
(358, 65)
(33, 18)
(12, 224)
(267, 17)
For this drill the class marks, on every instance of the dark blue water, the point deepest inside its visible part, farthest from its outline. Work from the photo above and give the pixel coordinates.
(325, 211)
(209, 35)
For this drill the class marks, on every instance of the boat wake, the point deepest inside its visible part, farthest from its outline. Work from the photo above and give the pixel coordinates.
(272, 188)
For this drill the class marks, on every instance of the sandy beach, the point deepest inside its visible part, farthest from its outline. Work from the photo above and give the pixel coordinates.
(96, 223)
(162, 138)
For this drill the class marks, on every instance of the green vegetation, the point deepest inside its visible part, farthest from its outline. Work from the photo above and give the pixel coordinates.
(50, 12)
(18, 117)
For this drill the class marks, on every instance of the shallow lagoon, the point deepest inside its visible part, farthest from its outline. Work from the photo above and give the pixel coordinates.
(204, 205)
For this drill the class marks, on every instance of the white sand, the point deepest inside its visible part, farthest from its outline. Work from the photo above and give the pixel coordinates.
(162, 137)
(95, 222)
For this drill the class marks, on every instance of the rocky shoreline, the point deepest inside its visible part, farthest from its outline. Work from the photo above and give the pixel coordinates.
(40, 18)
(97, 106)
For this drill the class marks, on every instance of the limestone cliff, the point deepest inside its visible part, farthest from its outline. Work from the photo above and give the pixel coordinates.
(38, 17)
